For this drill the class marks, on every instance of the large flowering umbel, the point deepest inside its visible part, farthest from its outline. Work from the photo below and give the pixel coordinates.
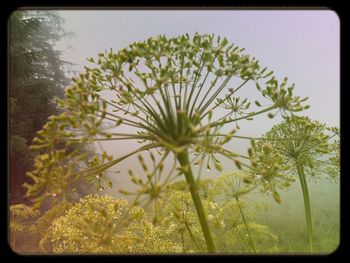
(159, 88)
(101, 224)
(167, 91)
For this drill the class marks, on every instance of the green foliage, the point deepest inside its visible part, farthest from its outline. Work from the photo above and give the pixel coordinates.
(101, 224)
(297, 141)
(36, 76)
(287, 220)
(301, 141)
(224, 215)
(332, 170)
(268, 168)
(233, 185)
(181, 220)
(243, 235)
(265, 241)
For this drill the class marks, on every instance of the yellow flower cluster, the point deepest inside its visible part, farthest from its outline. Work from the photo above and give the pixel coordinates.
(22, 218)
(102, 224)
(224, 210)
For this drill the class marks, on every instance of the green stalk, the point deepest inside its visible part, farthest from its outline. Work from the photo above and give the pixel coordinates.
(194, 84)
(184, 162)
(217, 92)
(199, 91)
(191, 235)
(246, 225)
(226, 98)
(240, 236)
(306, 205)
(183, 242)
(155, 211)
(220, 122)
(102, 167)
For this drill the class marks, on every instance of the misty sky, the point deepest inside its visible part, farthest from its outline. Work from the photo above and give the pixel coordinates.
(302, 45)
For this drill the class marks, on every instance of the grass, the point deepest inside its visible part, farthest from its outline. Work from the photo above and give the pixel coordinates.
(287, 220)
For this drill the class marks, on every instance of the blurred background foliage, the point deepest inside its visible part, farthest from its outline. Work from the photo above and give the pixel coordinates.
(37, 75)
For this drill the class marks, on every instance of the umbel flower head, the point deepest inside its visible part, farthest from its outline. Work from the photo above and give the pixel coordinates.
(234, 185)
(101, 224)
(311, 144)
(295, 142)
(167, 90)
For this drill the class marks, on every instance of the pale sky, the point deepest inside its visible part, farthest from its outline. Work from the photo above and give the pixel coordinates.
(302, 45)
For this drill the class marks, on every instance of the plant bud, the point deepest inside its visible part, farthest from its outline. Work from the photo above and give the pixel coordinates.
(218, 166)
(277, 197)
(238, 164)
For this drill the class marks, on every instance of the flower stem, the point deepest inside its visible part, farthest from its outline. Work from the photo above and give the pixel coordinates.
(183, 242)
(306, 204)
(191, 235)
(184, 162)
(246, 225)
